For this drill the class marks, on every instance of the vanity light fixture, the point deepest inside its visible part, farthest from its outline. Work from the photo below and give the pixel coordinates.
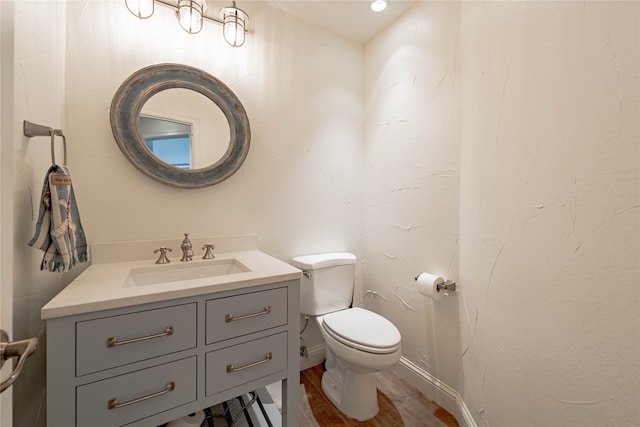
(191, 14)
(234, 21)
(378, 5)
(141, 8)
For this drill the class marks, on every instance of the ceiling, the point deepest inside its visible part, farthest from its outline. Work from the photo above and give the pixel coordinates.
(350, 18)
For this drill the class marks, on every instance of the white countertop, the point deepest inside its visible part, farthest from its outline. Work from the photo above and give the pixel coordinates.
(101, 286)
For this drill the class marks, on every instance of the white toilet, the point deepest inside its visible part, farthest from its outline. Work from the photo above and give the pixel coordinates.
(358, 342)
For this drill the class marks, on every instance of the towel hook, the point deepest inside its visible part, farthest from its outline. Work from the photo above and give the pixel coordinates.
(33, 129)
(53, 133)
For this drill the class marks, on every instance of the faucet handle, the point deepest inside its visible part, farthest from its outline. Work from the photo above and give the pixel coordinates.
(208, 251)
(162, 259)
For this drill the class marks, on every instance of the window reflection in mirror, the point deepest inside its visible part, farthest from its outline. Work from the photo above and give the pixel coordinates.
(168, 140)
(201, 141)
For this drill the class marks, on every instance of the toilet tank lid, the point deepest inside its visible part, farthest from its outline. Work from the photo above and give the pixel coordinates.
(312, 262)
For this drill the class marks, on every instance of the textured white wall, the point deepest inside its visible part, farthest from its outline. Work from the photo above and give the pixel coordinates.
(39, 93)
(549, 218)
(6, 193)
(536, 105)
(412, 179)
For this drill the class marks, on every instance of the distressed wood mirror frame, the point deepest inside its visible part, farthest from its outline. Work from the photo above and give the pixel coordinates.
(143, 84)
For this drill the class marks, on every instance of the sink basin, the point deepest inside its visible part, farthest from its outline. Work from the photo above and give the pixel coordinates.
(184, 271)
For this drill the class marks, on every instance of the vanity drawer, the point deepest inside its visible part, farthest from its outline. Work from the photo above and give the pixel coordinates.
(243, 363)
(118, 340)
(127, 398)
(243, 314)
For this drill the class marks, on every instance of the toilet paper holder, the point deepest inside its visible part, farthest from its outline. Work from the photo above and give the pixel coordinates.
(448, 285)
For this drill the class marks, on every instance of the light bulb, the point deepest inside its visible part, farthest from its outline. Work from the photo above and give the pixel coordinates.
(378, 5)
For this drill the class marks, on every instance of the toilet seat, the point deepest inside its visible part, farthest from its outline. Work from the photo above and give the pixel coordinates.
(363, 330)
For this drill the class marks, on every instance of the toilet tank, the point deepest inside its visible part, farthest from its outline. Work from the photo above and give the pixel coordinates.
(327, 282)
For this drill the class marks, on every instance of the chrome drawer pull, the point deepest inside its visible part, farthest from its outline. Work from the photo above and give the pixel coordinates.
(229, 317)
(231, 368)
(113, 403)
(113, 341)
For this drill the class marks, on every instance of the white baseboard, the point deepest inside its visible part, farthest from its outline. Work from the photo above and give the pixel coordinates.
(436, 390)
(316, 357)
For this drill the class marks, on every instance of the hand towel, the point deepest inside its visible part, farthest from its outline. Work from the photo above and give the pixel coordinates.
(59, 232)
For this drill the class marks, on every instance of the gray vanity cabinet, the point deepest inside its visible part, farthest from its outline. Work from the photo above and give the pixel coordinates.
(147, 364)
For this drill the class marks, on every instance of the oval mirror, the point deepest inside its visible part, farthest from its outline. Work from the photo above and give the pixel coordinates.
(180, 125)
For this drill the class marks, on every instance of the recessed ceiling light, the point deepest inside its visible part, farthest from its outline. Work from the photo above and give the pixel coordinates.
(378, 5)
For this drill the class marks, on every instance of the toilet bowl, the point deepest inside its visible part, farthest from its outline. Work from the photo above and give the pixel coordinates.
(358, 342)
(353, 358)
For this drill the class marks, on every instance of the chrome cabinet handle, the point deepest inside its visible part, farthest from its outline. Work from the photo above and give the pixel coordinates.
(231, 368)
(113, 341)
(114, 404)
(229, 317)
(20, 349)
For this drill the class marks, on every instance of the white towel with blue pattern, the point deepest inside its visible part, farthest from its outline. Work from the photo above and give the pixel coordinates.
(59, 231)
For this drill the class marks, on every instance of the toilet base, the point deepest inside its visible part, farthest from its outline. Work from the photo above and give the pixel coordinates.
(354, 394)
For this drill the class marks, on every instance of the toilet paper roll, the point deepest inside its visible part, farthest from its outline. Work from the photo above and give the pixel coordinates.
(428, 285)
(188, 421)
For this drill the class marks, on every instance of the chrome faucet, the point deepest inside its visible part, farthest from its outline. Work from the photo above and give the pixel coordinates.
(187, 248)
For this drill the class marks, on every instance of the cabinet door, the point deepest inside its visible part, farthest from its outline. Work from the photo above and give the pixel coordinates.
(118, 340)
(134, 396)
(243, 314)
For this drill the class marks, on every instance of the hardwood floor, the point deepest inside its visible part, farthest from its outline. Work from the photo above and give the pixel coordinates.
(400, 405)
